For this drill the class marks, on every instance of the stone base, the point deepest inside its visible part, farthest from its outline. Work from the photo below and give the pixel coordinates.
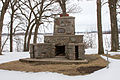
(72, 51)
(56, 60)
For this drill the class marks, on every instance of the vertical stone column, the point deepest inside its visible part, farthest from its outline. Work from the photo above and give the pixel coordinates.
(36, 50)
(71, 51)
(81, 51)
(64, 25)
(32, 51)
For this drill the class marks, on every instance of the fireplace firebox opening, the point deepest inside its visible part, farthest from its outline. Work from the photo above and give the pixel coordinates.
(76, 52)
(60, 50)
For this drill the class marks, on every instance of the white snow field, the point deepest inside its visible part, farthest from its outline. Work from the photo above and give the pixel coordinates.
(85, 21)
(111, 73)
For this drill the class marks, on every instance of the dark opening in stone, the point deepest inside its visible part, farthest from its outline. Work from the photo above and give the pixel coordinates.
(76, 52)
(60, 50)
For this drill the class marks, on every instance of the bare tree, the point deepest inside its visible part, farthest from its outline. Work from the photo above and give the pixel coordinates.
(34, 13)
(27, 18)
(5, 4)
(99, 27)
(62, 4)
(13, 8)
(89, 40)
(37, 11)
(114, 27)
(5, 40)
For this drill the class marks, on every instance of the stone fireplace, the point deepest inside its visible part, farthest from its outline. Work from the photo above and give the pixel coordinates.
(63, 42)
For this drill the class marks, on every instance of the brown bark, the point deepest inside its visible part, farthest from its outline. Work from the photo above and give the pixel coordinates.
(114, 27)
(63, 6)
(11, 31)
(26, 34)
(1, 25)
(13, 10)
(99, 27)
(38, 22)
(25, 38)
(35, 34)
(29, 37)
(3, 11)
(28, 26)
(31, 23)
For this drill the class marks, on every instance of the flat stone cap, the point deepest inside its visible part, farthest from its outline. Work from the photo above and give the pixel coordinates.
(64, 35)
(65, 17)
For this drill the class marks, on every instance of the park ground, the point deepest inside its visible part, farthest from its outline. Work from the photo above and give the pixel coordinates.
(111, 72)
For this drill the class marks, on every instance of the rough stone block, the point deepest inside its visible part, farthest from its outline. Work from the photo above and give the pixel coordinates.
(44, 50)
(81, 51)
(64, 25)
(64, 39)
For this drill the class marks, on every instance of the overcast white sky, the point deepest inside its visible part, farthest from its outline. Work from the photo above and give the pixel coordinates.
(86, 20)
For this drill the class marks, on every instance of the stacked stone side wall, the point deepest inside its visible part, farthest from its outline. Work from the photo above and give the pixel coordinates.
(71, 51)
(62, 40)
(81, 50)
(32, 51)
(45, 50)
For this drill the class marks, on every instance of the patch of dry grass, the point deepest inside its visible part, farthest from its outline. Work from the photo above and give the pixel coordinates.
(117, 56)
(73, 69)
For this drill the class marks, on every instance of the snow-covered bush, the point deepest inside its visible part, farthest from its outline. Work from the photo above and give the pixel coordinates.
(90, 40)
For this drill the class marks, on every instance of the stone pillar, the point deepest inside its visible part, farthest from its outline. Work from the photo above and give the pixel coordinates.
(81, 51)
(32, 51)
(70, 51)
(64, 25)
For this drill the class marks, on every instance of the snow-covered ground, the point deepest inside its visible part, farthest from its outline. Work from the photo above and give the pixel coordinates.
(11, 56)
(85, 21)
(111, 73)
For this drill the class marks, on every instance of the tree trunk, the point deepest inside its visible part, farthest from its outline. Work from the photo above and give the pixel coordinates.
(25, 38)
(11, 32)
(3, 11)
(99, 27)
(29, 37)
(64, 7)
(1, 25)
(26, 34)
(38, 22)
(114, 27)
(35, 34)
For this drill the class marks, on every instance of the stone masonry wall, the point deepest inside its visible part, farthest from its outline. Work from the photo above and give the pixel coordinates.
(81, 51)
(70, 51)
(64, 26)
(63, 40)
(42, 50)
(64, 35)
